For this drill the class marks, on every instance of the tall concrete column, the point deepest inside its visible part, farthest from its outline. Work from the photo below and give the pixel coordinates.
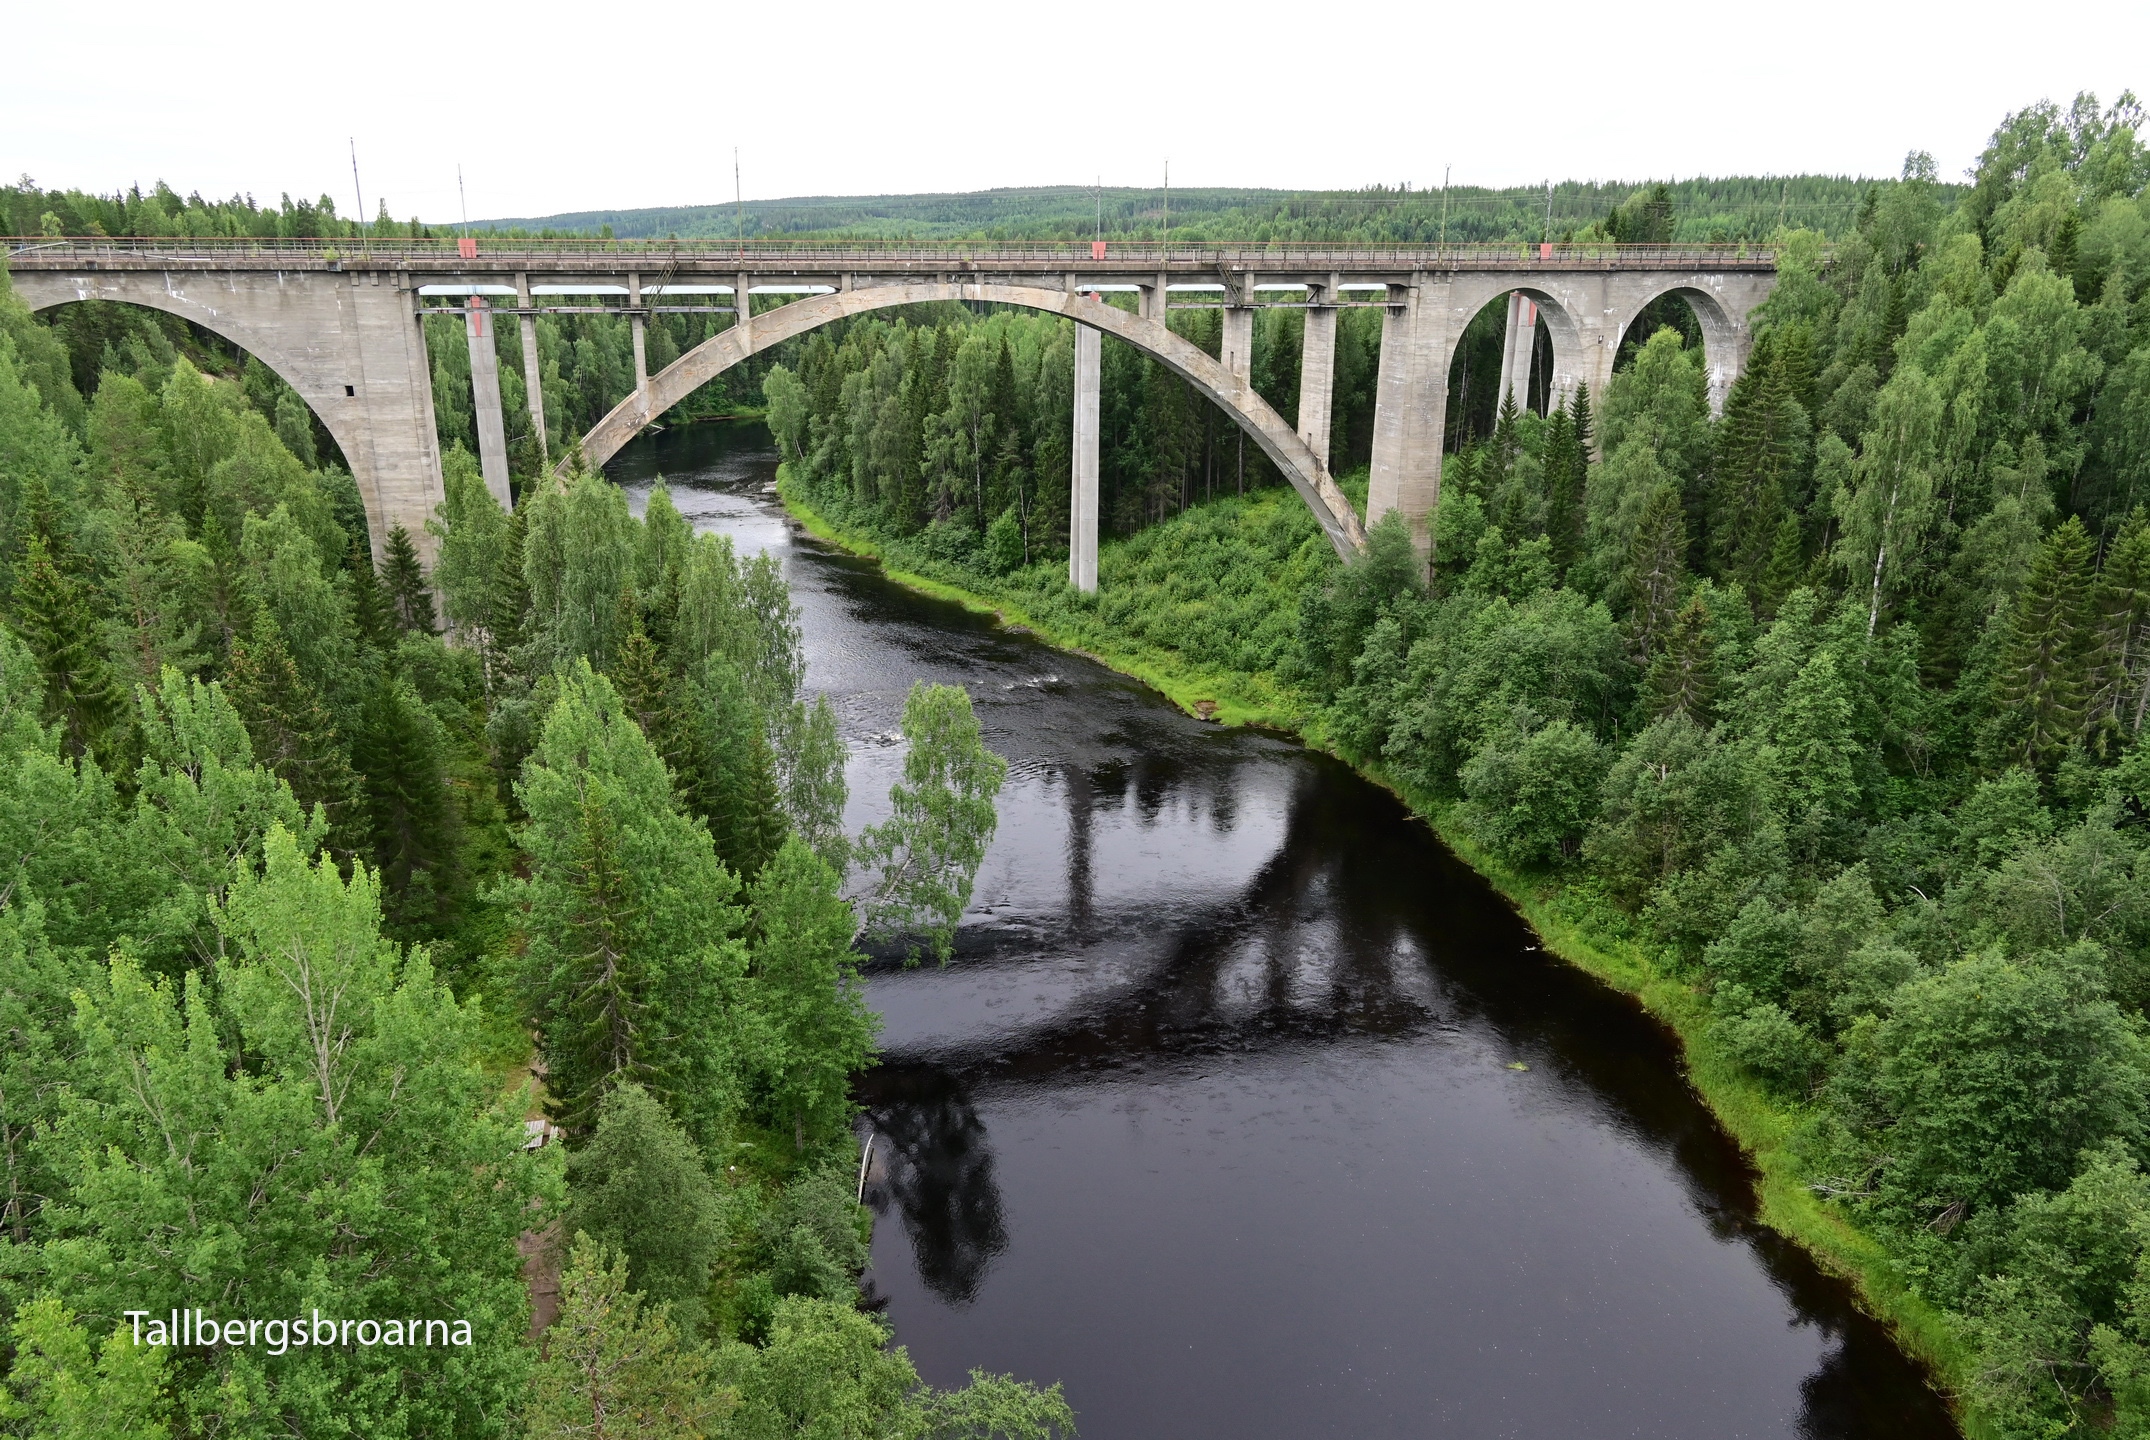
(485, 398)
(1518, 345)
(1317, 369)
(1237, 350)
(641, 338)
(743, 305)
(1411, 407)
(533, 388)
(1082, 508)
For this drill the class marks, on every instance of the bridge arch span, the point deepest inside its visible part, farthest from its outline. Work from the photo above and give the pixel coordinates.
(355, 356)
(1234, 394)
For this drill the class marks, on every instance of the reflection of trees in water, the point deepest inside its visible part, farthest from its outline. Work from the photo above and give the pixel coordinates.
(1356, 924)
(936, 1165)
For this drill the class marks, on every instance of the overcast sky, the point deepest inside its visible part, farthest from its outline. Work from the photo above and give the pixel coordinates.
(551, 107)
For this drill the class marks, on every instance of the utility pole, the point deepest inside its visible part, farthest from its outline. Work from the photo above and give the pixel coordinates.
(1100, 208)
(460, 198)
(739, 205)
(360, 189)
(1548, 235)
(1444, 203)
(1168, 200)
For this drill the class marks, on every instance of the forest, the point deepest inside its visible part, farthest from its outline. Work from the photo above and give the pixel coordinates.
(473, 956)
(1821, 721)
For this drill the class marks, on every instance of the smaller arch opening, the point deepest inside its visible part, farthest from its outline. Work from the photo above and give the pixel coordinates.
(1669, 311)
(1507, 345)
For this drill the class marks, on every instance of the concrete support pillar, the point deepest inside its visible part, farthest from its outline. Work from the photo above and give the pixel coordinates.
(641, 340)
(1317, 369)
(485, 399)
(1411, 407)
(533, 388)
(743, 306)
(1237, 351)
(1082, 508)
(1519, 344)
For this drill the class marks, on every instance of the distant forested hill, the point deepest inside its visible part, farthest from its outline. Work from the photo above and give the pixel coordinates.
(1700, 209)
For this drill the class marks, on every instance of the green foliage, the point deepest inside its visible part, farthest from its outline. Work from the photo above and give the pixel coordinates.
(928, 851)
(612, 1368)
(639, 1188)
(817, 1030)
(631, 961)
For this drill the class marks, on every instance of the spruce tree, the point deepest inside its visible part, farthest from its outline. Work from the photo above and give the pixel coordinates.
(1683, 676)
(2042, 680)
(612, 1370)
(1656, 571)
(293, 735)
(1762, 444)
(806, 990)
(2121, 701)
(640, 1187)
(369, 608)
(1564, 462)
(626, 916)
(736, 789)
(401, 757)
(56, 618)
(403, 586)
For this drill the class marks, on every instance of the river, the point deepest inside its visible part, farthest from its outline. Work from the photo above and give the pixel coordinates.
(1246, 1110)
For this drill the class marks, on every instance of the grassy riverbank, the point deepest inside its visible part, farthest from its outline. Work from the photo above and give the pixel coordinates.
(1150, 598)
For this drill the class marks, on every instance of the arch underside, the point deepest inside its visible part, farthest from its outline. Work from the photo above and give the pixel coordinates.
(1236, 397)
(334, 418)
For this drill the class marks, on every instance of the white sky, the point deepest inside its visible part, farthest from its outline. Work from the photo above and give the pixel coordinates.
(553, 107)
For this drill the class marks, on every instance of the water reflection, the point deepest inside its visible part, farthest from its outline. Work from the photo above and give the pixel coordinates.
(1247, 1111)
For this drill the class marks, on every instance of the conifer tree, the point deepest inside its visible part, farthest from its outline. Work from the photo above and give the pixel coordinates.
(1655, 572)
(369, 607)
(56, 618)
(403, 586)
(2121, 701)
(736, 788)
(401, 757)
(627, 921)
(1683, 676)
(294, 736)
(2042, 680)
(817, 1028)
(1762, 443)
(1787, 566)
(1564, 463)
(613, 1371)
(640, 1187)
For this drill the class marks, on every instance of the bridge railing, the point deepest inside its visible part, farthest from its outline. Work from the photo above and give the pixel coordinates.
(1048, 255)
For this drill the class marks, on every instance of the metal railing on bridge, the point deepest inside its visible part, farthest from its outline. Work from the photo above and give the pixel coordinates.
(582, 253)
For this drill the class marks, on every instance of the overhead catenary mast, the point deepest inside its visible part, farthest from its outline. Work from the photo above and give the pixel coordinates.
(1168, 200)
(358, 188)
(461, 199)
(739, 205)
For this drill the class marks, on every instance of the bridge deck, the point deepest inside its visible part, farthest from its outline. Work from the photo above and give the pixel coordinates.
(785, 258)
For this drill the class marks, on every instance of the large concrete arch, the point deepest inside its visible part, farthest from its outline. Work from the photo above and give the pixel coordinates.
(1231, 392)
(354, 353)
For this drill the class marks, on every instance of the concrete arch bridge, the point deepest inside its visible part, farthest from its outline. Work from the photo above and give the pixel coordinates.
(345, 331)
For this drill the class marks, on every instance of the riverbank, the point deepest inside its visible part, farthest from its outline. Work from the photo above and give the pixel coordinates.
(1581, 933)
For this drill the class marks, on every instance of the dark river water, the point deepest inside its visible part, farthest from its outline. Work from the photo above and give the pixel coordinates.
(1245, 1110)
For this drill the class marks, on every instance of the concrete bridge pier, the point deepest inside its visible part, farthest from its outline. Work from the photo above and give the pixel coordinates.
(533, 389)
(1411, 407)
(1317, 368)
(1519, 347)
(1237, 349)
(639, 327)
(485, 399)
(1082, 507)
